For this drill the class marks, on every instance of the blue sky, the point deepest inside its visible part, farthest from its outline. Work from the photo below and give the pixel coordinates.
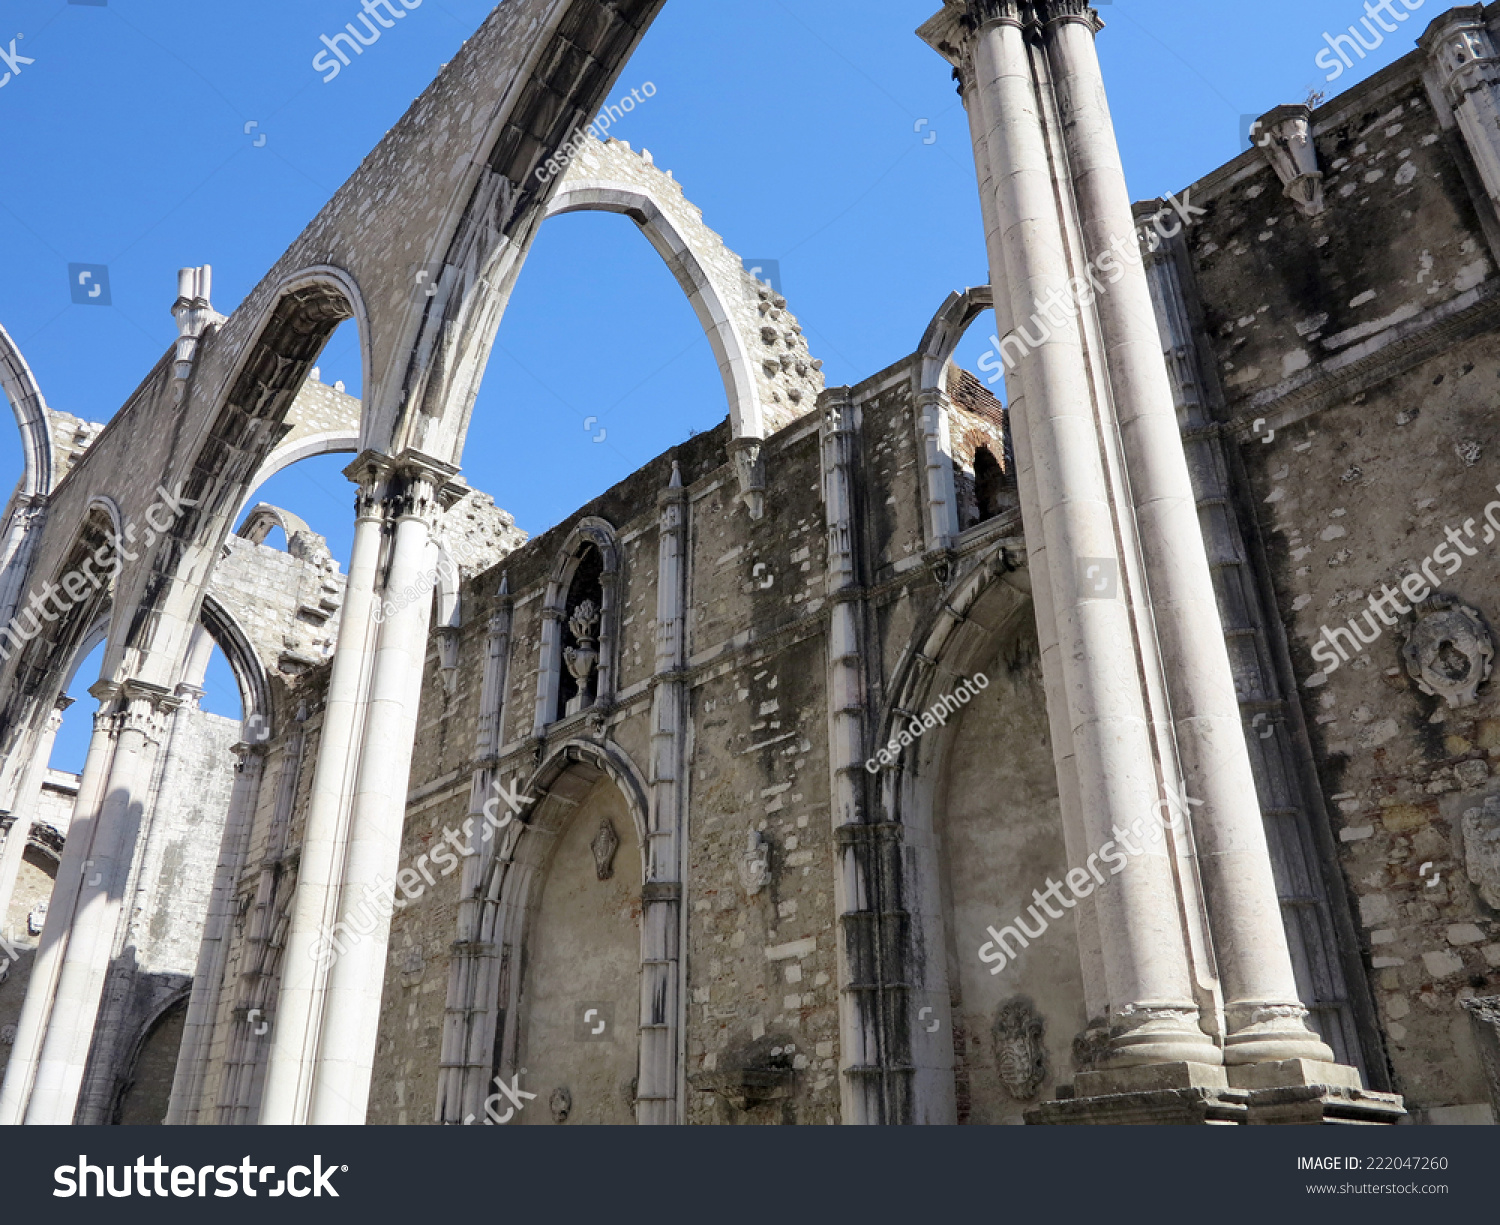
(796, 125)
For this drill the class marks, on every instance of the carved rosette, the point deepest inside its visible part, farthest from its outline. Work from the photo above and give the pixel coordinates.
(1020, 1055)
(1449, 653)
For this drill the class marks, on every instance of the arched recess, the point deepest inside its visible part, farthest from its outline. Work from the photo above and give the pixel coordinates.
(562, 929)
(25, 396)
(590, 550)
(975, 795)
(145, 1081)
(934, 432)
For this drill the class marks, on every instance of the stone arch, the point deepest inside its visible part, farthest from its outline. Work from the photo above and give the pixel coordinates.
(565, 786)
(264, 517)
(41, 651)
(30, 408)
(590, 533)
(245, 427)
(246, 664)
(934, 435)
(609, 177)
(966, 862)
(145, 1080)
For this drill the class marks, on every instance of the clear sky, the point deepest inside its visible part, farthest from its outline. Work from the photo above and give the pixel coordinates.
(149, 135)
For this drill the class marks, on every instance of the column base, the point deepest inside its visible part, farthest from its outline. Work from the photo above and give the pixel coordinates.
(1286, 1092)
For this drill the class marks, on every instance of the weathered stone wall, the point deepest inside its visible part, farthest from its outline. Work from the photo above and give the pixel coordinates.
(1356, 350)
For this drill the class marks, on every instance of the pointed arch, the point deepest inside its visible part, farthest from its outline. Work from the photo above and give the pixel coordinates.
(26, 402)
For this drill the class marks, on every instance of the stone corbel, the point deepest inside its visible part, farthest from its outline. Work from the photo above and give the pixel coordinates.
(1467, 67)
(750, 466)
(1285, 137)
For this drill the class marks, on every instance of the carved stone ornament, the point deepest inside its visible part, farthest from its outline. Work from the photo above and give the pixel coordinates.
(1020, 1057)
(755, 864)
(1285, 137)
(584, 658)
(606, 842)
(750, 468)
(1481, 828)
(561, 1104)
(1449, 653)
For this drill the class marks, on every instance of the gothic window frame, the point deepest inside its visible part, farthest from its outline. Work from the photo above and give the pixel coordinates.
(589, 533)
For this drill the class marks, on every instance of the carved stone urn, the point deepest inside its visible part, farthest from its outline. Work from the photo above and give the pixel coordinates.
(584, 658)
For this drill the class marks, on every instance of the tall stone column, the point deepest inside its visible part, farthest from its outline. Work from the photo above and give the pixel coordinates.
(303, 975)
(139, 725)
(24, 812)
(1070, 802)
(322, 1061)
(1152, 1007)
(1264, 1019)
(208, 978)
(20, 1072)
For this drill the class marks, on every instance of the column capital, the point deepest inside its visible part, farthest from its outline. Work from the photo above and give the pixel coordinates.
(408, 485)
(1051, 13)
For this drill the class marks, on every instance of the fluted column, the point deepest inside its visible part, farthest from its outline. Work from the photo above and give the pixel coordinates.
(140, 722)
(1264, 1018)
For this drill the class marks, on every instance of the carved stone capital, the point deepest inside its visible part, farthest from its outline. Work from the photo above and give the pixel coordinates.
(409, 485)
(1058, 12)
(1285, 137)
